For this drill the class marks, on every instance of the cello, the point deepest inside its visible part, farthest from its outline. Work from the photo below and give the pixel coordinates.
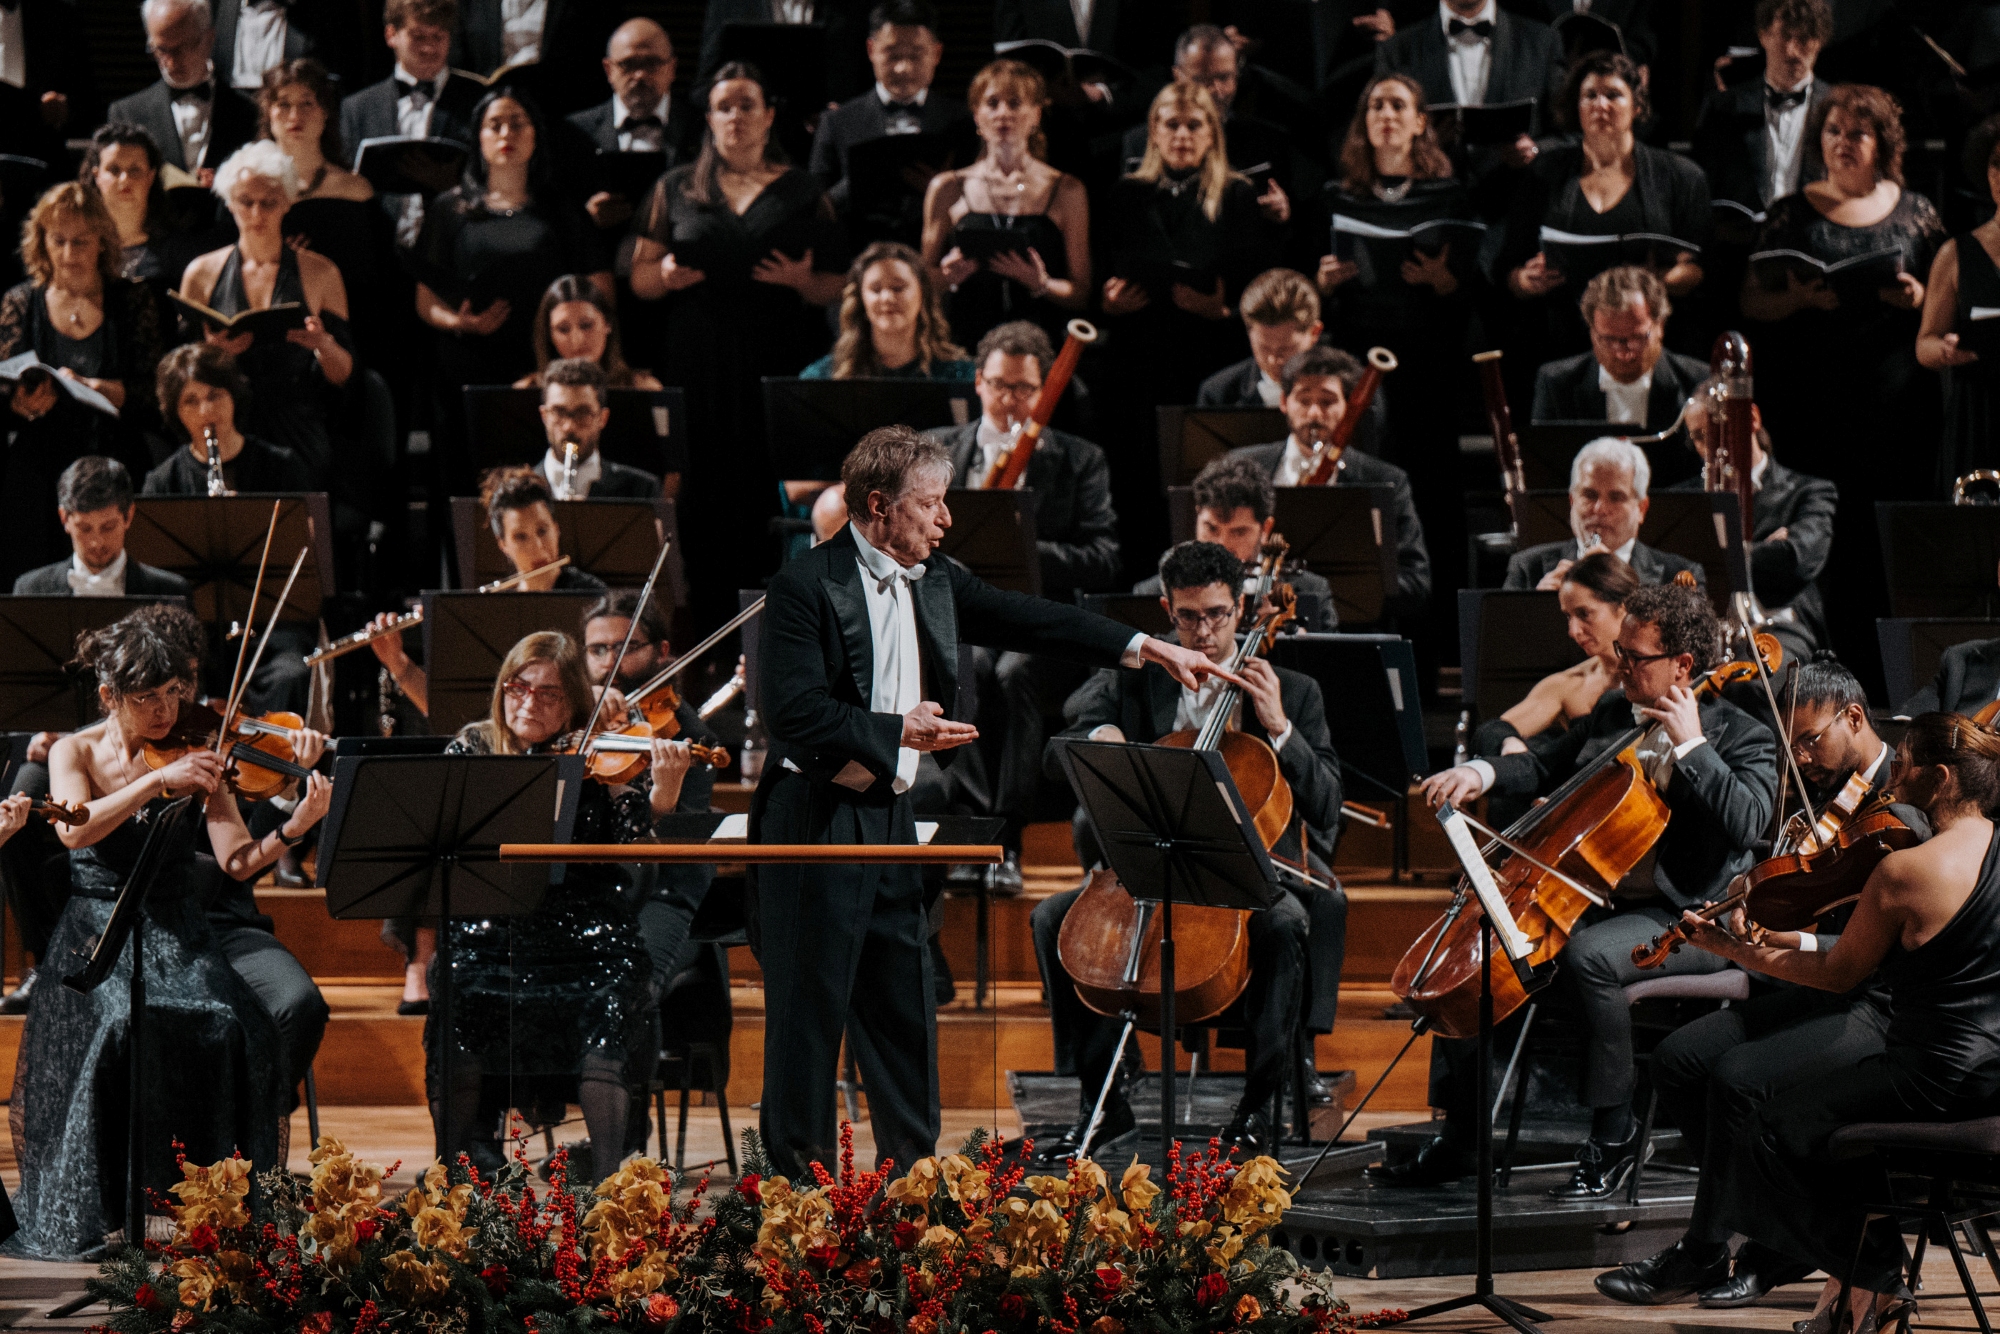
(1110, 940)
(1564, 857)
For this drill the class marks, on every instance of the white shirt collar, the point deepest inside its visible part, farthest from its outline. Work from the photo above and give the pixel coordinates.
(883, 96)
(587, 470)
(880, 565)
(1490, 13)
(1269, 391)
(1623, 553)
(1876, 765)
(106, 583)
(619, 115)
(1805, 83)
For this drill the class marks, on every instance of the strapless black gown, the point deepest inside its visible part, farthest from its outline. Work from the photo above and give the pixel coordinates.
(214, 1072)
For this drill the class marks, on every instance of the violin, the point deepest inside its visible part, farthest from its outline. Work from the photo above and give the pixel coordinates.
(657, 700)
(259, 756)
(618, 757)
(1109, 941)
(55, 812)
(1565, 856)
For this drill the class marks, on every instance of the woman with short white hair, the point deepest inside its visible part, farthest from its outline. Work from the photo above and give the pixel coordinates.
(295, 378)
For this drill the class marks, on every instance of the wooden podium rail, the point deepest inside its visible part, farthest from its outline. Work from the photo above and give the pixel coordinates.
(757, 854)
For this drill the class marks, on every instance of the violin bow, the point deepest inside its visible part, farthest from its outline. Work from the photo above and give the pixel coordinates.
(256, 591)
(631, 627)
(1771, 698)
(1532, 859)
(277, 609)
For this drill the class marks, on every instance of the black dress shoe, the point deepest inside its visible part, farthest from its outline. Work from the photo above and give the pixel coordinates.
(410, 1007)
(1673, 1275)
(1249, 1134)
(1118, 1120)
(18, 1000)
(1758, 1270)
(1317, 1093)
(1436, 1163)
(1600, 1169)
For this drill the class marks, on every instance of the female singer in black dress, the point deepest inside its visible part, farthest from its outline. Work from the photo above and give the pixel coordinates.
(746, 252)
(296, 381)
(1009, 235)
(213, 1062)
(556, 998)
(576, 319)
(1928, 925)
(1964, 276)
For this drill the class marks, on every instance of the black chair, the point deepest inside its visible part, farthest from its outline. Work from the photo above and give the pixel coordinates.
(695, 1021)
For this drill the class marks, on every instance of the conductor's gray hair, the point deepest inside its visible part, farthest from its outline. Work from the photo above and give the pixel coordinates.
(1610, 450)
(889, 459)
(199, 8)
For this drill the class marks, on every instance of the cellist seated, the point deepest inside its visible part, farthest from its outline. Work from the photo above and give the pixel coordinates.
(1716, 768)
(1284, 708)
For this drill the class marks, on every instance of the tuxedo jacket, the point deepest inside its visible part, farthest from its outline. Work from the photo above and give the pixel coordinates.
(1567, 390)
(1783, 571)
(1076, 528)
(1968, 677)
(371, 112)
(1413, 560)
(327, 30)
(1526, 568)
(817, 649)
(1719, 800)
(864, 119)
(141, 581)
(846, 23)
(232, 121)
(1140, 702)
(569, 72)
(683, 137)
(1730, 143)
(1527, 62)
(1235, 386)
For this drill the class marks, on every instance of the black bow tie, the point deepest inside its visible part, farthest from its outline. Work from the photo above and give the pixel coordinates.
(643, 123)
(421, 92)
(1481, 29)
(1785, 101)
(201, 92)
(893, 108)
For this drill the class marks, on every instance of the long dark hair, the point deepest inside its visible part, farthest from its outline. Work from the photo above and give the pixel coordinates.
(701, 184)
(310, 75)
(576, 287)
(1428, 160)
(540, 174)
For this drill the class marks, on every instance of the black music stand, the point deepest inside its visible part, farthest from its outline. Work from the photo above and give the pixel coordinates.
(1141, 611)
(1191, 437)
(505, 425)
(809, 425)
(37, 638)
(1173, 821)
(1348, 535)
(992, 533)
(215, 543)
(616, 540)
(1940, 558)
(1509, 640)
(1911, 648)
(467, 635)
(420, 836)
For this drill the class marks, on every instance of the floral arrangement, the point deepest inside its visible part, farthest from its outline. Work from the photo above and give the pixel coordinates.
(967, 1243)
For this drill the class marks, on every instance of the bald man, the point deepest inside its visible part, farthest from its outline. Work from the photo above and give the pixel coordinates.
(642, 115)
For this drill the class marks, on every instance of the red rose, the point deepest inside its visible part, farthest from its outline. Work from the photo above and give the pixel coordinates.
(1106, 1282)
(1212, 1289)
(823, 1255)
(661, 1308)
(747, 1187)
(905, 1234)
(146, 1299)
(202, 1239)
(496, 1278)
(365, 1229)
(1014, 1306)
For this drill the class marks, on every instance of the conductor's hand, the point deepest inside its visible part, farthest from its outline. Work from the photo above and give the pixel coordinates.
(926, 728)
(1454, 787)
(1185, 665)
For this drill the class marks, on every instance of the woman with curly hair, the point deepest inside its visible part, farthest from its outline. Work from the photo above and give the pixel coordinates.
(892, 323)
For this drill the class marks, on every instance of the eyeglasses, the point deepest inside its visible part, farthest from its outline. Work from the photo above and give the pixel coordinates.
(578, 415)
(611, 650)
(1004, 390)
(636, 65)
(1187, 618)
(520, 692)
(1805, 745)
(1627, 658)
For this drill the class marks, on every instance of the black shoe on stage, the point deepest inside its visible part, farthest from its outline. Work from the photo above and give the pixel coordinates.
(1249, 1134)
(1118, 1120)
(1758, 1270)
(1436, 1163)
(1317, 1093)
(18, 1000)
(1600, 1169)
(1673, 1275)
(410, 1007)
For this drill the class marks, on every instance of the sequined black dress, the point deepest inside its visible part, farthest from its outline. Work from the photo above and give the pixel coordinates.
(214, 1062)
(532, 996)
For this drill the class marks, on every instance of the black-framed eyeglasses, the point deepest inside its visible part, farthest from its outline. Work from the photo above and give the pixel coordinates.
(611, 650)
(1805, 745)
(1187, 618)
(1627, 658)
(638, 64)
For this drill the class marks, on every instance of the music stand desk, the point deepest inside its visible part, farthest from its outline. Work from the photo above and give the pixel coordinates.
(1348, 535)
(37, 641)
(992, 534)
(1509, 640)
(810, 425)
(506, 425)
(215, 543)
(467, 636)
(1939, 558)
(1191, 437)
(616, 540)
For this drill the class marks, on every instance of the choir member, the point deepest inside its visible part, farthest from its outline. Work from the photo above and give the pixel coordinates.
(1592, 593)
(904, 50)
(196, 123)
(254, 37)
(745, 250)
(1751, 139)
(1202, 586)
(561, 46)
(1608, 483)
(1009, 195)
(555, 1000)
(296, 380)
(892, 323)
(1132, 32)
(215, 1060)
(576, 320)
(155, 239)
(1233, 500)
(1076, 540)
(1315, 400)
(575, 411)
(1628, 375)
(1965, 275)
(1925, 927)
(1474, 53)
(199, 387)
(1716, 769)
(643, 114)
(1204, 56)
(335, 214)
(1713, 1072)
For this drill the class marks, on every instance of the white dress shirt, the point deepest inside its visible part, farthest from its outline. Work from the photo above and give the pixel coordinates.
(588, 470)
(1193, 709)
(902, 121)
(1625, 402)
(1623, 553)
(1080, 11)
(413, 110)
(191, 122)
(645, 138)
(106, 583)
(898, 686)
(791, 11)
(13, 48)
(1269, 391)
(1294, 462)
(260, 43)
(1784, 143)
(521, 23)
(1469, 56)
(992, 442)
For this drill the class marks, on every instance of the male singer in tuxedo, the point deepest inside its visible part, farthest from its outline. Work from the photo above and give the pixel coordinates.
(252, 36)
(1608, 481)
(195, 118)
(1628, 375)
(860, 645)
(642, 115)
(563, 39)
(1474, 53)
(904, 51)
(1280, 313)
(424, 98)
(1751, 138)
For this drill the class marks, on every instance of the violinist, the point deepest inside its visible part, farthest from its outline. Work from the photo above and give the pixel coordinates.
(1607, 503)
(1716, 769)
(1297, 944)
(555, 1001)
(1927, 926)
(1314, 400)
(216, 1064)
(1233, 500)
(1713, 1073)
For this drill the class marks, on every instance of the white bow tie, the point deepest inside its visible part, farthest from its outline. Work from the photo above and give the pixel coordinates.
(909, 576)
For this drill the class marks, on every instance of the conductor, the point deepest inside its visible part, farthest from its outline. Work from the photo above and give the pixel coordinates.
(860, 647)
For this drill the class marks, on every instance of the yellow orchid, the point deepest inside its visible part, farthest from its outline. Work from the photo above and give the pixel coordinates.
(918, 1185)
(198, 1281)
(418, 1282)
(217, 1196)
(1256, 1198)
(964, 1182)
(1138, 1188)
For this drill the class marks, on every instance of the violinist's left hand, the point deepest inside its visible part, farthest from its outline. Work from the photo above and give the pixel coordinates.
(308, 746)
(1678, 713)
(671, 762)
(1265, 696)
(1706, 935)
(312, 806)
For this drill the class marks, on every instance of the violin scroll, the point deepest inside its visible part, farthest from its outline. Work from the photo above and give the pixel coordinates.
(55, 812)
